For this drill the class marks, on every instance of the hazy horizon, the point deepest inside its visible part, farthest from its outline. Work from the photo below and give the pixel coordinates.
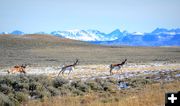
(106, 16)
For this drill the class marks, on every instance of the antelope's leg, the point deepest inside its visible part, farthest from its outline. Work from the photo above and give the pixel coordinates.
(72, 69)
(8, 71)
(69, 72)
(110, 71)
(120, 69)
(24, 71)
(63, 71)
(60, 72)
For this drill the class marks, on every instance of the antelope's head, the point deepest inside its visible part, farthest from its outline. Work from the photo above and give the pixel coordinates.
(17, 66)
(76, 62)
(24, 65)
(125, 60)
(8, 71)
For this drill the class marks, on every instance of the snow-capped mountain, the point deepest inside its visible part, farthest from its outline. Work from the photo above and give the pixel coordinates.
(159, 31)
(76, 34)
(84, 35)
(158, 37)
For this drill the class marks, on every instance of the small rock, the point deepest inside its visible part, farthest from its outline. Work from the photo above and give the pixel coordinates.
(123, 85)
(177, 75)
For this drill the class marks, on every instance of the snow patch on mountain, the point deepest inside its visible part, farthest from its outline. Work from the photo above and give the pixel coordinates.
(138, 33)
(84, 35)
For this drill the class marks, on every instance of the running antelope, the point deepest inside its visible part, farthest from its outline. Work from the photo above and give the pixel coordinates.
(69, 67)
(17, 68)
(117, 66)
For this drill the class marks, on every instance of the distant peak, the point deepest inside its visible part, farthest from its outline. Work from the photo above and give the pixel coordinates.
(157, 30)
(166, 31)
(116, 30)
(17, 32)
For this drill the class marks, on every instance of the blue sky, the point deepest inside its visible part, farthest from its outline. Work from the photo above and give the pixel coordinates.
(104, 15)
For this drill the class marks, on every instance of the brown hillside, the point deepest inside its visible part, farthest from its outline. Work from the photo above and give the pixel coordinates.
(50, 50)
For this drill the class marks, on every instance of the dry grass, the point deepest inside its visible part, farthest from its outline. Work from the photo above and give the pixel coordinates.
(150, 95)
(49, 50)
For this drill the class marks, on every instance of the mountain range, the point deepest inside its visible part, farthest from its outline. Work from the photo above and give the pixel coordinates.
(158, 37)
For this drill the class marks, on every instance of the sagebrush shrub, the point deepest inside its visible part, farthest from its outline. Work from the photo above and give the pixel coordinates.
(94, 85)
(5, 89)
(58, 82)
(5, 101)
(80, 86)
(53, 91)
(21, 96)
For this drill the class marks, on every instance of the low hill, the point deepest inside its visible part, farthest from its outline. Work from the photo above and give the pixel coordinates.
(45, 50)
(35, 41)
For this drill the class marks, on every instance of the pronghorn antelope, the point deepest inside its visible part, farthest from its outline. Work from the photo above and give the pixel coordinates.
(117, 66)
(69, 67)
(17, 68)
